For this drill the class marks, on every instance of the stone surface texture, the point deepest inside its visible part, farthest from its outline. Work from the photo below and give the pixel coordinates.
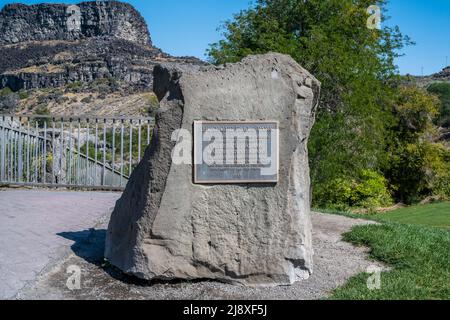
(166, 227)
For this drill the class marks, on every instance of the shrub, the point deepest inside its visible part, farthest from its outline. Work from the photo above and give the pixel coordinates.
(415, 110)
(75, 86)
(417, 167)
(151, 103)
(9, 100)
(5, 92)
(442, 90)
(104, 85)
(23, 94)
(371, 191)
(9, 104)
(368, 190)
(420, 170)
(87, 99)
(42, 110)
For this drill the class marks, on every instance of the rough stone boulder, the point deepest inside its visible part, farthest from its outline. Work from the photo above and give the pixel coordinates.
(166, 227)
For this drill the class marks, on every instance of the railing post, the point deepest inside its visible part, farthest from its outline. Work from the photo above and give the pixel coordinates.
(139, 140)
(131, 148)
(69, 165)
(26, 142)
(20, 151)
(12, 150)
(104, 153)
(2, 148)
(28, 151)
(96, 151)
(2, 151)
(61, 158)
(36, 149)
(78, 154)
(87, 153)
(121, 153)
(114, 146)
(44, 156)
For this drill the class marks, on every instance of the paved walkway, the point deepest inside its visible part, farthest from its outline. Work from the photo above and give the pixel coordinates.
(335, 262)
(38, 227)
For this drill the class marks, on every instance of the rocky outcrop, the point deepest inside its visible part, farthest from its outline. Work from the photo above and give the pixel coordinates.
(426, 81)
(444, 74)
(42, 65)
(19, 22)
(167, 227)
(42, 47)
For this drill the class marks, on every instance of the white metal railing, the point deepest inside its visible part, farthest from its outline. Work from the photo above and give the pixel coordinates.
(78, 152)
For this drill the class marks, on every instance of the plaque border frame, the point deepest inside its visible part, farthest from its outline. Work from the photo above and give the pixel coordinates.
(229, 182)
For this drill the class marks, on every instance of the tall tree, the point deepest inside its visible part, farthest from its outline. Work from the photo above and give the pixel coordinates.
(355, 64)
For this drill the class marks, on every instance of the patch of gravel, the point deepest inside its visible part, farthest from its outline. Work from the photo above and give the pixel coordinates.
(335, 262)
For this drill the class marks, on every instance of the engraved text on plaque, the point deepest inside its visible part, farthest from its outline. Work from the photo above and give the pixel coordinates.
(235, 152)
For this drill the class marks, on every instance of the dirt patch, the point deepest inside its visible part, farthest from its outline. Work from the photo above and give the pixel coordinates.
(335, 262)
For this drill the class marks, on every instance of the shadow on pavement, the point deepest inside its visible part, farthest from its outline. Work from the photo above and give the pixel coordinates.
(89, 245)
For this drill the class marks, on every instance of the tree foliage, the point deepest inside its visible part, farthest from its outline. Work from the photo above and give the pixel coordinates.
(442, 90)
(418, 167)
(357, 118)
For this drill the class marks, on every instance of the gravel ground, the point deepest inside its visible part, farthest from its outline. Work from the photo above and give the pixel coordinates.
(335, 262)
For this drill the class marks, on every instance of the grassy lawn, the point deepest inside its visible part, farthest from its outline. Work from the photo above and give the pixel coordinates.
(433, 215)
(418, 254)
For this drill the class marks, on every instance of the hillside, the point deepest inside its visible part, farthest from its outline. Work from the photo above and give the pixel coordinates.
(425, 81)
(438, 84)
(94, 57)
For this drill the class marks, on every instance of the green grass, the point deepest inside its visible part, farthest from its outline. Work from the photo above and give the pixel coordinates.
(415, 243)
(419, 256)
(433, 215)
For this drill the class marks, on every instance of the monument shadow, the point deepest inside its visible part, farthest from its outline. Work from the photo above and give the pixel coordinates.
(89, 245)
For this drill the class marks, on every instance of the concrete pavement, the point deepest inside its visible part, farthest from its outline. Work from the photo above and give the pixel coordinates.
(37, 227)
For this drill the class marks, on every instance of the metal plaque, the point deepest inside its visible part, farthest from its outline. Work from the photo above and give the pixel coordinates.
(236, 152)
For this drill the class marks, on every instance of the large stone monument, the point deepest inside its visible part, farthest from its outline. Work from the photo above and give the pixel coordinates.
(191, 220)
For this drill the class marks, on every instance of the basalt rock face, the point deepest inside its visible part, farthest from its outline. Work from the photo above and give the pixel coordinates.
(425, 81)
(52, 45)
(19, 23)
(42, 65)
(444, 74)
(166, 227)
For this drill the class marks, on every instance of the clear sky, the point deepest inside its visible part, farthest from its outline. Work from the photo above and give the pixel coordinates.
(186, 27)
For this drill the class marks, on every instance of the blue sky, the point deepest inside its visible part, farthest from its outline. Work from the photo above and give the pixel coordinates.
(186, 27)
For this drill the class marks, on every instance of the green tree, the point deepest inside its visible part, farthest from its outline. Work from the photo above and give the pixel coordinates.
(442, 90)
(415, 111)
(418, 167)
(330, 38)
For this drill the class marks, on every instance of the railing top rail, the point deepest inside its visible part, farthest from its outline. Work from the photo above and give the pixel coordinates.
(69, 118)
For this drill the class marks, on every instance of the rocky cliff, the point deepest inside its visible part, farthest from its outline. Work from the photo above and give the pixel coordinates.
(43, 64)
(19, 23)
(60, 46)
(425, 81)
